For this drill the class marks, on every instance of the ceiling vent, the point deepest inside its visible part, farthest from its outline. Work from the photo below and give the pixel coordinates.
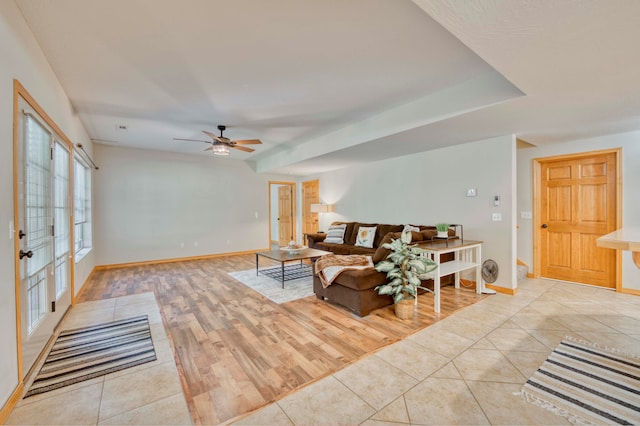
(121, 128)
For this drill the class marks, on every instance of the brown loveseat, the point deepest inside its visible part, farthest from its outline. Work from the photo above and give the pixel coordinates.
(355, 289)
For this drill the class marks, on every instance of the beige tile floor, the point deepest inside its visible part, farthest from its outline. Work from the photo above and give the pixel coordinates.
(150, 393)
(467, 368)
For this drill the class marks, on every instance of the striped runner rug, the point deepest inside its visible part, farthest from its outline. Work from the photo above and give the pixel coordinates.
(84, 353)
(587, 384)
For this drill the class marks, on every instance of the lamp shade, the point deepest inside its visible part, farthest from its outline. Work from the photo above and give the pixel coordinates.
(321, 208)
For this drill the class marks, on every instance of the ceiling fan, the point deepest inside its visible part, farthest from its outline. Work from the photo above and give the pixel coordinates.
(221, 144)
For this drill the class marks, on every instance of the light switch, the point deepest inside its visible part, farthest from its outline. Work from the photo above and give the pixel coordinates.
(496, 217)
(526, 215)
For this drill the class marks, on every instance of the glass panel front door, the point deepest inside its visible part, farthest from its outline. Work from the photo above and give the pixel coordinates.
(44, 214)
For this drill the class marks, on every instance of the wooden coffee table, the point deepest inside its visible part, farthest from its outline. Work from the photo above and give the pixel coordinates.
(283, 256)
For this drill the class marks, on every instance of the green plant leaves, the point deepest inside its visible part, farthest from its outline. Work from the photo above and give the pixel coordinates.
(417, 265)
(385, 266)
(403, 266)
(386, 289)
(442, 227)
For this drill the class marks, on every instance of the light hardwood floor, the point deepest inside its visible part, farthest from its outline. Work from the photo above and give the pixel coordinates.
(237, 351)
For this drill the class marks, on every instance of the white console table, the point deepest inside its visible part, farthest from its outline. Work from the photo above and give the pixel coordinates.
(467, 256)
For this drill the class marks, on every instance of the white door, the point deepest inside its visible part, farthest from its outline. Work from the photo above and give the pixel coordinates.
(43, 191)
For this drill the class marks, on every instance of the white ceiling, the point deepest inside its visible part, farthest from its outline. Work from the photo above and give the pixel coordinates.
(326, 84)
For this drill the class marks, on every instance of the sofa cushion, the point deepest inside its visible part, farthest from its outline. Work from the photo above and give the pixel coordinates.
(416, 236)
(383, 230)
(334, 248)
(366, 236)
(428, 234)
(381, 252)
(335, 234)
(362, 250)
(363, 279)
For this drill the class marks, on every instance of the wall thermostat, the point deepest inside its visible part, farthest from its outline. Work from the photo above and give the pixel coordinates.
(496, 200)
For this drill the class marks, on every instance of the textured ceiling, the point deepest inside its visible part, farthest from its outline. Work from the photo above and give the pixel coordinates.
(332, 83)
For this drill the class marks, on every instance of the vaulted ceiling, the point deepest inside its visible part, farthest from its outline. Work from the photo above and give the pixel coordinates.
(331, 83)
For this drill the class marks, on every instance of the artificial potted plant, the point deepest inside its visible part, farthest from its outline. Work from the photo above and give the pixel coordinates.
(403, 266)
(443, 230)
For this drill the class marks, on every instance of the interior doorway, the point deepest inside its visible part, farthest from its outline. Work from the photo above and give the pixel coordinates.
(310, 195)
(576, 201)
(282, 213)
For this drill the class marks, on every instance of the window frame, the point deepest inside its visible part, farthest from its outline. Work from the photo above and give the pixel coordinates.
(83, 201)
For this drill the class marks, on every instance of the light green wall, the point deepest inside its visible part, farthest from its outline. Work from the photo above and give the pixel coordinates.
(153, 205)
(430, 187)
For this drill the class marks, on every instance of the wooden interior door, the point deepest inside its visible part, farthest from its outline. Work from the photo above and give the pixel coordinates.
(285, 215)
(577, 206)
(310, 195)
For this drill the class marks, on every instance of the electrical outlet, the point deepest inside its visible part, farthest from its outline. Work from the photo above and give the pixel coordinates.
(496, 217)
(526, 215)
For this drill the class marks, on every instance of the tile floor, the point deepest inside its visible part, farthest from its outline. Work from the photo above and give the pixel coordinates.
(149, 393)
(465, 369)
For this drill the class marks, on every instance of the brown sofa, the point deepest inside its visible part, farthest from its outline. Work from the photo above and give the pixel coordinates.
(355, 289)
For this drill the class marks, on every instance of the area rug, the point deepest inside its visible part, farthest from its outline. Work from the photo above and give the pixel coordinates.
(84, 353)
(588, 384)
(271, 288)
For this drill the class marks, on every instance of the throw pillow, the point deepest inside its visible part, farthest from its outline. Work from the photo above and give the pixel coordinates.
(411, 228)
(335, 234)
(365, 237)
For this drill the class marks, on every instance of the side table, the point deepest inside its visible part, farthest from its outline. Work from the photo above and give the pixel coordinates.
(467, 256)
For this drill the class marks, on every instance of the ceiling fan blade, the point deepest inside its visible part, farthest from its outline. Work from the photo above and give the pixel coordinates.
(212, 135)
(248, 142)
(190, 140)
(242, 148)
(208, 149)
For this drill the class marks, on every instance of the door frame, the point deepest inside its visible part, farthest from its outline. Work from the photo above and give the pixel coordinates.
(537, 202)
(294, 207)
(19, 92)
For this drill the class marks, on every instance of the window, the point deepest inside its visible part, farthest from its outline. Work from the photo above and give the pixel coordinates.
(61, 214)
(81, 208)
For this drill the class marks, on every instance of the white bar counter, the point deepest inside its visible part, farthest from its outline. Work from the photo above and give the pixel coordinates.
(623, 239)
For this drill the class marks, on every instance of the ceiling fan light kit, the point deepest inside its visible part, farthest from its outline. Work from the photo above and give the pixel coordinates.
(220, 150)
(220, 145)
